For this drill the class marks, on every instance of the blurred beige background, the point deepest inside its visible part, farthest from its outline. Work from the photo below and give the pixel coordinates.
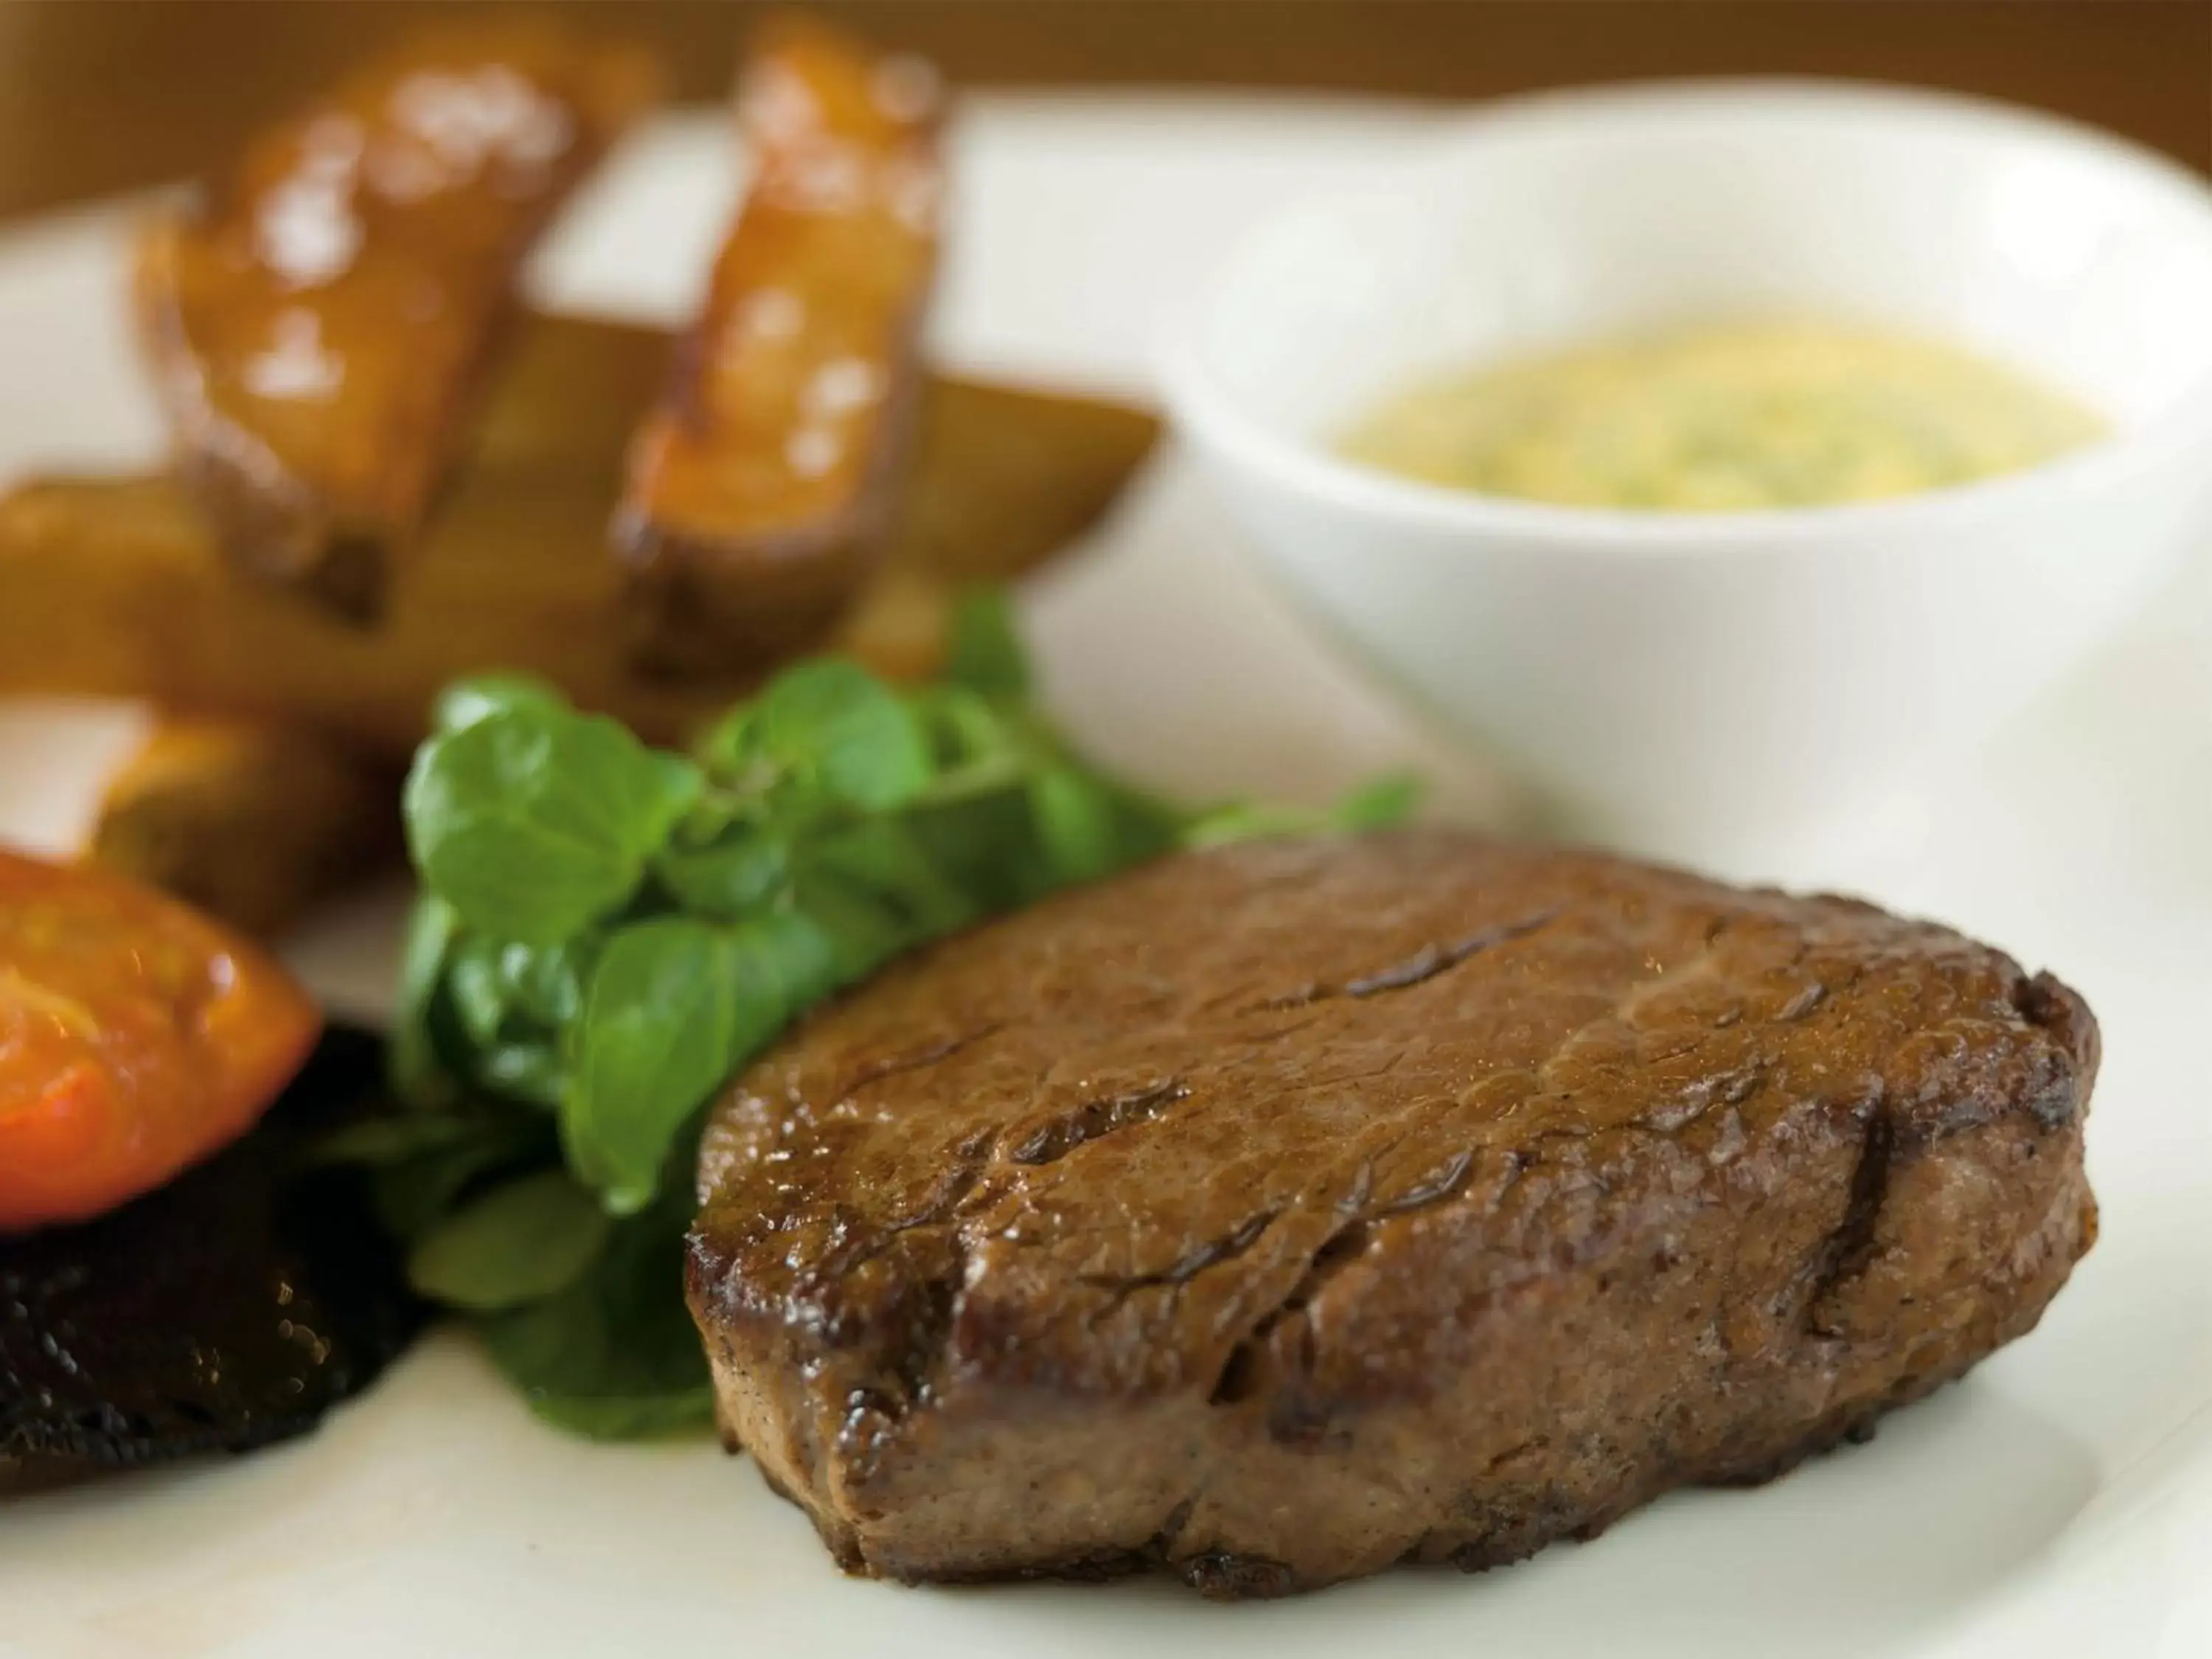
(97, 95)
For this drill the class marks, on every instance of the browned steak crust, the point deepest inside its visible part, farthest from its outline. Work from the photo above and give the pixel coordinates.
(1276, 1214)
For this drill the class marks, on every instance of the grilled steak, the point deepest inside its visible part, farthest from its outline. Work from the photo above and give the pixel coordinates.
(1279, 1212)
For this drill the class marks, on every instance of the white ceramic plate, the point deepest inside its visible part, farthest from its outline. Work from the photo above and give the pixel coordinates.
(2059, 1502)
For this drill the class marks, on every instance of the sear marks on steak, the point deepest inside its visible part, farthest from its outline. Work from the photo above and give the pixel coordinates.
(1279, 1212)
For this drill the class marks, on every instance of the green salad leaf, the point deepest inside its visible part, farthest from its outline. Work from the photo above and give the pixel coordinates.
(731, 876)
(831, 721)
(674, 1005)
(466, 701)
(986, 655)
(518, 1244)
(614, 1354)
(419, 1075)
(533, 822)
(607, 932)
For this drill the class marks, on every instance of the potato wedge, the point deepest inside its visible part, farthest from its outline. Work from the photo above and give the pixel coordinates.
(1004, 476)
(763, 484)
(122, 586)
(119, 587)
(1003, 479)
(318, 332)
(254, 822)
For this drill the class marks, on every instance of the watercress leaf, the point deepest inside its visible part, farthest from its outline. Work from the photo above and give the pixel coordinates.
(415, 1192)
(729, 748)
(797, 802)
(466, 701)
(478, 992)
(710, 816)
(672, 1005)
(1377, 804)
(988, 844)
(1374, 805)
(410, 1196)
(628, 1416)
(745, 869)
(778, 963)
(1145, 825)
(831, 717)
(393, 1138)
(511, 1001)
(1076, 823)
(989, 774)
(883, 857)
(415, 1058)
(544, 983)
(509, 877)
(862, 929)
(530, 1072)
(533, 823)
(678, 1410)
(614, 1354)
(520, 1241)
(800, 953)
(1246, 821)
(986, 654)
(965, 726)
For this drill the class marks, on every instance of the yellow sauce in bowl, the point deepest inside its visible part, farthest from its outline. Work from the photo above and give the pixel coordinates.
(1724, 417)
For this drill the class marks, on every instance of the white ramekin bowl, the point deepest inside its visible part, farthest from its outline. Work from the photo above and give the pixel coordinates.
(1715, 687)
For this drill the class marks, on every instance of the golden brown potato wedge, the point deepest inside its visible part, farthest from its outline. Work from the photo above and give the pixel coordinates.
(254, 822)
(1004, 476)
(762, 485)
(1003, 479)
(122, 586)
(319, 331)
(118, 586)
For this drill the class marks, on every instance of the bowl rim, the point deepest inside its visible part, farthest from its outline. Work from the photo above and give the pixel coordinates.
(1205, 409)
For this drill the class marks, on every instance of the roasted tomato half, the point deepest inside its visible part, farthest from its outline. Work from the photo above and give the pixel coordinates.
(136, 1037)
